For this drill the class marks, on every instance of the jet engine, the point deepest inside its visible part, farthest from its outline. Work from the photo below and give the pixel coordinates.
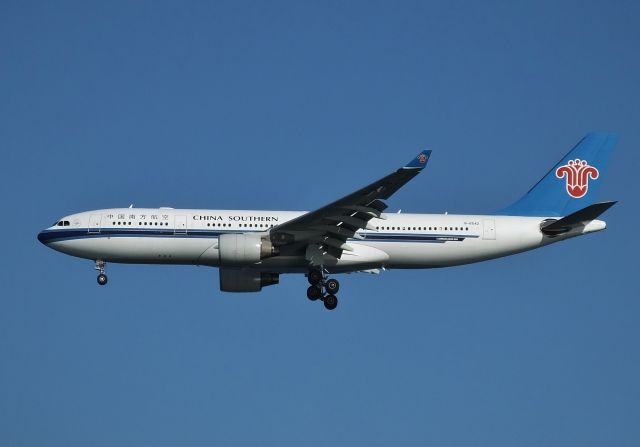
(244, 248)
(241, 280)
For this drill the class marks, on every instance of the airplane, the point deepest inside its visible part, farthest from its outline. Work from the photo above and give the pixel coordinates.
(352, 234)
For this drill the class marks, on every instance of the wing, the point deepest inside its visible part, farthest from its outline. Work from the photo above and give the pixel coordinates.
(328, 228)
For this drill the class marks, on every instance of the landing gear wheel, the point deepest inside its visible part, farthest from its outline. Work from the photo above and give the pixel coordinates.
(332, 286)
(314, 292)
(330, 302)
(102, 279)
(100, 267)
(314, 277)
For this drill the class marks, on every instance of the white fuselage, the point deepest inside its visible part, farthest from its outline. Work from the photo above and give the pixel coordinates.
(190, 236)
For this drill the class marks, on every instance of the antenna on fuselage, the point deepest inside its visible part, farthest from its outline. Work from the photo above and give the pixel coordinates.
(131, 206)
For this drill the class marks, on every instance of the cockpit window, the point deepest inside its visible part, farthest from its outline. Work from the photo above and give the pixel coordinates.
(66, 223)
(61, 223)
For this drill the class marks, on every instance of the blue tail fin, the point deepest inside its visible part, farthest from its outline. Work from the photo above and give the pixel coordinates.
(572, 184)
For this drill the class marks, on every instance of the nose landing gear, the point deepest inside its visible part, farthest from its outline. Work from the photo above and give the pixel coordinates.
(102, 277)
(322, 288)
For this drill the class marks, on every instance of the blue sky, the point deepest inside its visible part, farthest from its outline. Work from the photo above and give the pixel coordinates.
(270, 105)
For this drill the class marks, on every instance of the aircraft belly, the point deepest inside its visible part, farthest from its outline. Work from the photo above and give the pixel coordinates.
(449, 253)
(136, 249)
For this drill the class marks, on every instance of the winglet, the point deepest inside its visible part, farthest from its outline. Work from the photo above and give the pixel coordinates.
(420, 161)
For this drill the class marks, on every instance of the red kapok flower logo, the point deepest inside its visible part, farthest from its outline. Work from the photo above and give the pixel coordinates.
(577, 173)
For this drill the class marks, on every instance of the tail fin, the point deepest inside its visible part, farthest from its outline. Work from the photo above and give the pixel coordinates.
(572, 184)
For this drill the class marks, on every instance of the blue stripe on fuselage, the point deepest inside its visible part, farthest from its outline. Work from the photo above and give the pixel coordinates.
(48, 236)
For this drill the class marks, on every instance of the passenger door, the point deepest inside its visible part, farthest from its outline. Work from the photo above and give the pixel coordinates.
(180, 225)
(489, 232)
(94, 223)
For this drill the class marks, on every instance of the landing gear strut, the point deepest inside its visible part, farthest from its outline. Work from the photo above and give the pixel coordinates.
(102, 277)
(323, 288)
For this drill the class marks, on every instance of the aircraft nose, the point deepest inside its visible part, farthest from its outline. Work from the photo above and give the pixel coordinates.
(41, 237)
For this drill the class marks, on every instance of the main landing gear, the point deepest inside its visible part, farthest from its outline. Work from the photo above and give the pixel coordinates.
(102, 277)
(323, 288)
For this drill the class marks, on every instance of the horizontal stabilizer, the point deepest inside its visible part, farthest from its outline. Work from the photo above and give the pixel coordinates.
(578, 218)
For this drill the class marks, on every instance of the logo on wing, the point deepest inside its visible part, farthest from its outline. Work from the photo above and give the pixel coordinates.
(422, 158)
(577, 173)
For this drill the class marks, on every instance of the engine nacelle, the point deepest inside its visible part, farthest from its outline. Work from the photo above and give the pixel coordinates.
(240, 280)
(244, 248)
